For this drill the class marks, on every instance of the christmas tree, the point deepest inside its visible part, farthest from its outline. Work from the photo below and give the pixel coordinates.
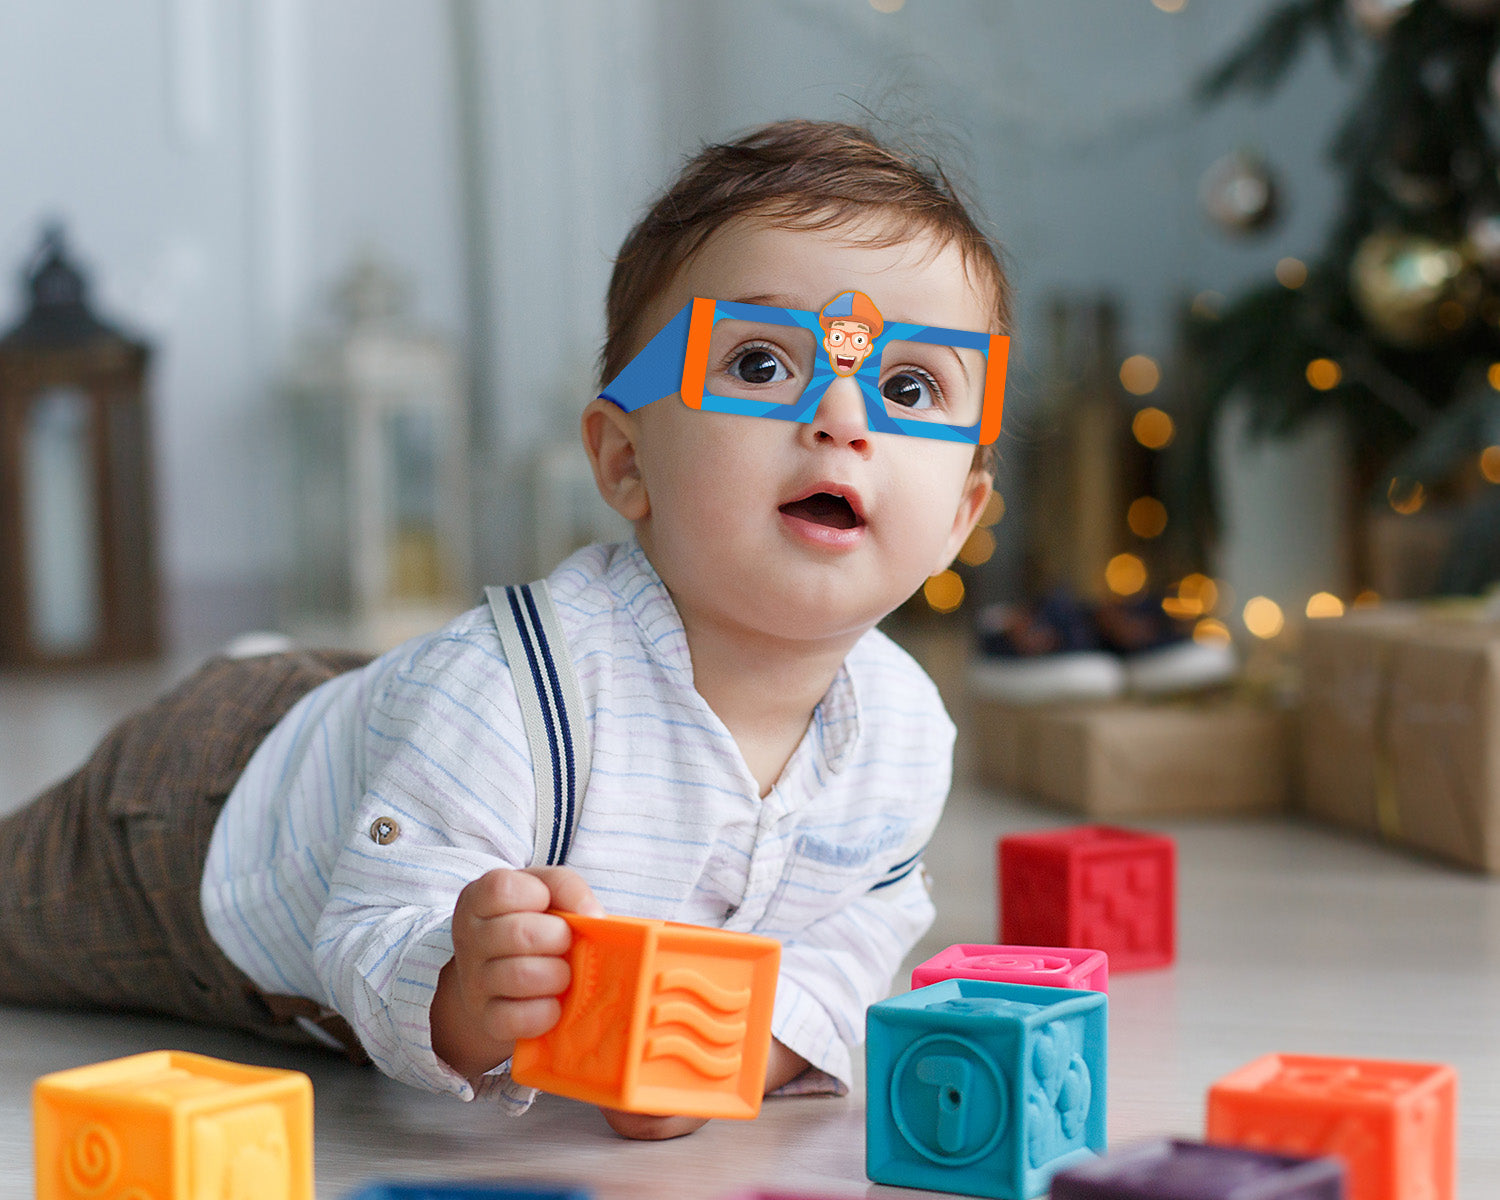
(1395, 325)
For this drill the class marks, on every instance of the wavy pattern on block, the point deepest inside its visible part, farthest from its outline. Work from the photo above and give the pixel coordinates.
(721, 1031)
(680, 1046)
(726, 1000)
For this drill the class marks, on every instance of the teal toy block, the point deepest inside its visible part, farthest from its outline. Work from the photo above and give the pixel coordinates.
(984, 1088)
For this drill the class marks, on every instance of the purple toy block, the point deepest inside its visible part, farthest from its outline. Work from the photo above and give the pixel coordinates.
(1045, 966)
(1176, 1170)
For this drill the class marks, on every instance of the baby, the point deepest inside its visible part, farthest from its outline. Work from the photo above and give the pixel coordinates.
(804, 384)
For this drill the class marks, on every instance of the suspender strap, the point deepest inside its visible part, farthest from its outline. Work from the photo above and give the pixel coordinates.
(551, 708)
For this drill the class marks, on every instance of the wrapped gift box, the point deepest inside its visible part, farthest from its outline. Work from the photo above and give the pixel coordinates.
(1214, 755)
(1401, 727)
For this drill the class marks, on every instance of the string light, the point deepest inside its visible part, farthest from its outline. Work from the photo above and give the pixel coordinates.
(978, 549)
(1406, 495)
(1125, 575)
(1324, 374)
(1489, 463)
(1291, 273)
(1201, 590)
(1324, 604)
(1147, 517)
(1263, 617)
(1153, 428)
(1139, 375)
(944, 592)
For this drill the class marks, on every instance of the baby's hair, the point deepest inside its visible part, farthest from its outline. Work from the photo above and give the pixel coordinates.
(813, 175)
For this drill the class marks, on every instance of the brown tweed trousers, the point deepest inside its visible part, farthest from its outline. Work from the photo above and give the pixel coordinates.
(99, 875)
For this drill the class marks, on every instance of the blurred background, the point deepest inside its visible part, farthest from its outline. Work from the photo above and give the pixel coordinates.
(353, 253)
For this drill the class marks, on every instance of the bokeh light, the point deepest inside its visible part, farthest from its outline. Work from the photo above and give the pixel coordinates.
(1211, 629)
(978, 549)
(1208, 306)
(1147, 517)
(1324, 374)
(1170, 6)
(1139, 375)
(1489, 463)
(1406, 495)
(1369, 598)
(1291, 272)
(944, 591)
(1263, 617)
(1324, 604)
(1125, 575)
(1153, 428)
(994, 510)
(1493, 375)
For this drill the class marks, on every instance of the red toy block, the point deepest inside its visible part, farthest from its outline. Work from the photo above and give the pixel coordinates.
(1391, 1122)
(1045, 966)
(1094, 886)
(661, 1018)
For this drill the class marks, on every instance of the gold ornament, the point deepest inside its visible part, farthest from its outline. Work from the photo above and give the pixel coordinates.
(1415, 291)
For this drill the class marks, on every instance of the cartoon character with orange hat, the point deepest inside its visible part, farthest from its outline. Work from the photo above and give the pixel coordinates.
(851, 323)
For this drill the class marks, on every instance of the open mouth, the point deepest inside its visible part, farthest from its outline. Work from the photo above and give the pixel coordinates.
(824, 508)
(845, 364)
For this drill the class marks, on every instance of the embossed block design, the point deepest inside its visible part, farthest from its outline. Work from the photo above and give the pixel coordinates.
(1044, 966)
(173, 1126)
(984, 1088)
(1179, 1170)
(659, 1018)
(1392, 1123)
(1097, 886)
(468, 1191)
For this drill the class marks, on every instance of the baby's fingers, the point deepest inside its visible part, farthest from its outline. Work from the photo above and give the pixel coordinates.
(568, 890)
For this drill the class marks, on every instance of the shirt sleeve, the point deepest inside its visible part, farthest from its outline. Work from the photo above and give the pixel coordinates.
(835, 968)
(447, 796)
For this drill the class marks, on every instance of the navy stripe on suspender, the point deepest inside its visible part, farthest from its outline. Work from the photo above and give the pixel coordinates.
(536, 677)
(563, 835)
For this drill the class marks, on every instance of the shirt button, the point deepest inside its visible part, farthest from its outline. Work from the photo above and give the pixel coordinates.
(384, 831)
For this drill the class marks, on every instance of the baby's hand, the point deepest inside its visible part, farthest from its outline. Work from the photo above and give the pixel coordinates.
(508, 965)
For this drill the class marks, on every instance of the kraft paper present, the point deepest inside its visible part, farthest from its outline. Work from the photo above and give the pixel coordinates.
(1205, 755)
(1401, 727)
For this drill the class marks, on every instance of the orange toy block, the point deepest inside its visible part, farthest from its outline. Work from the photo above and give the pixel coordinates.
(659, 1018)
(173, 1126)
(1391, 1122)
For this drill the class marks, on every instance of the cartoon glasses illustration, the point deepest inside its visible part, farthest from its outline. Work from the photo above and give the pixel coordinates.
(764, 361)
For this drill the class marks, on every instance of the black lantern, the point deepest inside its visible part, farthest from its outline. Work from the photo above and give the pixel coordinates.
(77, 573)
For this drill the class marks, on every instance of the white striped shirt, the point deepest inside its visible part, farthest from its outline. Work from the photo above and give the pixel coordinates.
(301, 897)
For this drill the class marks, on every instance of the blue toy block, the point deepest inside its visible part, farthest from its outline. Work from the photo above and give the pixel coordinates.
(984, 1088)
(467, 1191)
(1178, 1170)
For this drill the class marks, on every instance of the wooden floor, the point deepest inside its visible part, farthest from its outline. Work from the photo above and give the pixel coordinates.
(1292, 938)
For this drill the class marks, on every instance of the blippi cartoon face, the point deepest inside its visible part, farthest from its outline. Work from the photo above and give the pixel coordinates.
(757, 360)
(851, 323)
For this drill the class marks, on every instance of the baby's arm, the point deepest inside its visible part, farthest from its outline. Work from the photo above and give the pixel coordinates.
(508, 965)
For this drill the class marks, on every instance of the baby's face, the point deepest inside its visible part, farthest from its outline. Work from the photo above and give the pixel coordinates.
(812, 530)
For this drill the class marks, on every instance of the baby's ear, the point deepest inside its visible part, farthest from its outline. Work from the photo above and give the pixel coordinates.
(609, 438)
(976, 494)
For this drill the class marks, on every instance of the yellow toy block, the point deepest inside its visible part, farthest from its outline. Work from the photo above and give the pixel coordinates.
(173, 1126)
(660, 1018)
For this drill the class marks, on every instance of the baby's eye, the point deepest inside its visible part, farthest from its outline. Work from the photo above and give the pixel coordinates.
(758, 366)
(912, 389)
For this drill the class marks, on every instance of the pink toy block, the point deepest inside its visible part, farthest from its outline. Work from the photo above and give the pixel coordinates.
(1096, 886)
(1391, 1122)
(1046, 966)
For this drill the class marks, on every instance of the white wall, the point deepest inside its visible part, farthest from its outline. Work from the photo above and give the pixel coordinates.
(221, 162)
